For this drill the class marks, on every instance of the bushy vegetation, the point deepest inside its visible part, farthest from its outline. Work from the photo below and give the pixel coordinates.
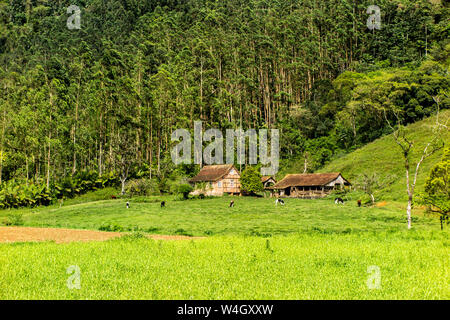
(251, 180)
(437, 189)
(316, 266)
(141, 187)
(109, 95)
(16, 194)
(184, 190)
(14, 219)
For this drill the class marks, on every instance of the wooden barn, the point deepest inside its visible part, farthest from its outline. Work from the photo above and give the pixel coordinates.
(309, 186)
(217, 180)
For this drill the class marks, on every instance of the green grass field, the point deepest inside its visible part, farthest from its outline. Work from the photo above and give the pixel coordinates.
(412, 266)
(250, 216)
(305, 250)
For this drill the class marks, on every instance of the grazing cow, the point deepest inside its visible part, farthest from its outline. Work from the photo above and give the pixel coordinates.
(231, 204)
(163, 204)
(113, 197)
(338, 201)
(279, 201)
(128, 205)
(359, 203)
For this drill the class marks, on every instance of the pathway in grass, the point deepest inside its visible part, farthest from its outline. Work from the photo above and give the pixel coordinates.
(24, 234)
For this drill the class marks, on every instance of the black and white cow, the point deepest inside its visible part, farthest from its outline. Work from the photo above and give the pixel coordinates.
(279, 201)
(339, 201)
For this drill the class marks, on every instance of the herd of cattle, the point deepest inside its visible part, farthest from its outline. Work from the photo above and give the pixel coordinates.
(278, 201)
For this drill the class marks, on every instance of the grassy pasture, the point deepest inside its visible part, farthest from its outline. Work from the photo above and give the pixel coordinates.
(413, 265)
(250, 216)
(384, 157)
(308, 249)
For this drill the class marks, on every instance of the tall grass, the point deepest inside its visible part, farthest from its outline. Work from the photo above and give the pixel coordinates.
(412, 265)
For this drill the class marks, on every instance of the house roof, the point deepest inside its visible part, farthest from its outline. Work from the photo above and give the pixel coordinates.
(266, 178)
(308, 180)
(213, 173)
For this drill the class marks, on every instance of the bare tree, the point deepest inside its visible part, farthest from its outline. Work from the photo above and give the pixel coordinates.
(407, 146)
(124, 156)
(306, 164)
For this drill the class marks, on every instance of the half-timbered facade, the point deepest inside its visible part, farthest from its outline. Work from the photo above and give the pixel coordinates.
(217, 180)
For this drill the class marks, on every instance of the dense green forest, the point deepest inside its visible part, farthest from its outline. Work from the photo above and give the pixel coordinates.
(111, 93)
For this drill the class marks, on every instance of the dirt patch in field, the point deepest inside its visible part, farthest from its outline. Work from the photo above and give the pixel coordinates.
(26, 234)
(381, 204)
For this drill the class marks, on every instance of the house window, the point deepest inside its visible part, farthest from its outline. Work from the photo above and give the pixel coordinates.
(219, 184)
(232, 183)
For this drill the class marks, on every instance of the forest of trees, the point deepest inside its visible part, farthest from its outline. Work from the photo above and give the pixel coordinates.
(109, 95)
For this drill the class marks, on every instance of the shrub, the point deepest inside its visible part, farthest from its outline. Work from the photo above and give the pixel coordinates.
(251, 180)
(437, 189)
(185, 189)
(14, 194)
(183, 232)
(111, 228)
(15, 219)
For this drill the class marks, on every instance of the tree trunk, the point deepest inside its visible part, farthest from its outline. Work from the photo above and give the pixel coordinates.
(77, 101)
(100, 164)
(48, 162)
(408, 210)
(122, 180)
(49, 152)
(1, 166)
(2, 147)
(409, 191)
(27, 170)
(151, 146)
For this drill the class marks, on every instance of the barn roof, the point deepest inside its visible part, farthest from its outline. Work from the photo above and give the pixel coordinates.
(213, 173)
(266, 178)
(308, 180)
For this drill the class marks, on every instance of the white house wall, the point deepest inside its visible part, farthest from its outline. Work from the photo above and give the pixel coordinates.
(339, 180)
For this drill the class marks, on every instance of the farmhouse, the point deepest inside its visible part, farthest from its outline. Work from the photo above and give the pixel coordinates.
(309, 186)
(217, 180)
(268, 181)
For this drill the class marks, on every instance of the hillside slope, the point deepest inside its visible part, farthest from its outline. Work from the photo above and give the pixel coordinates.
(384, 158)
